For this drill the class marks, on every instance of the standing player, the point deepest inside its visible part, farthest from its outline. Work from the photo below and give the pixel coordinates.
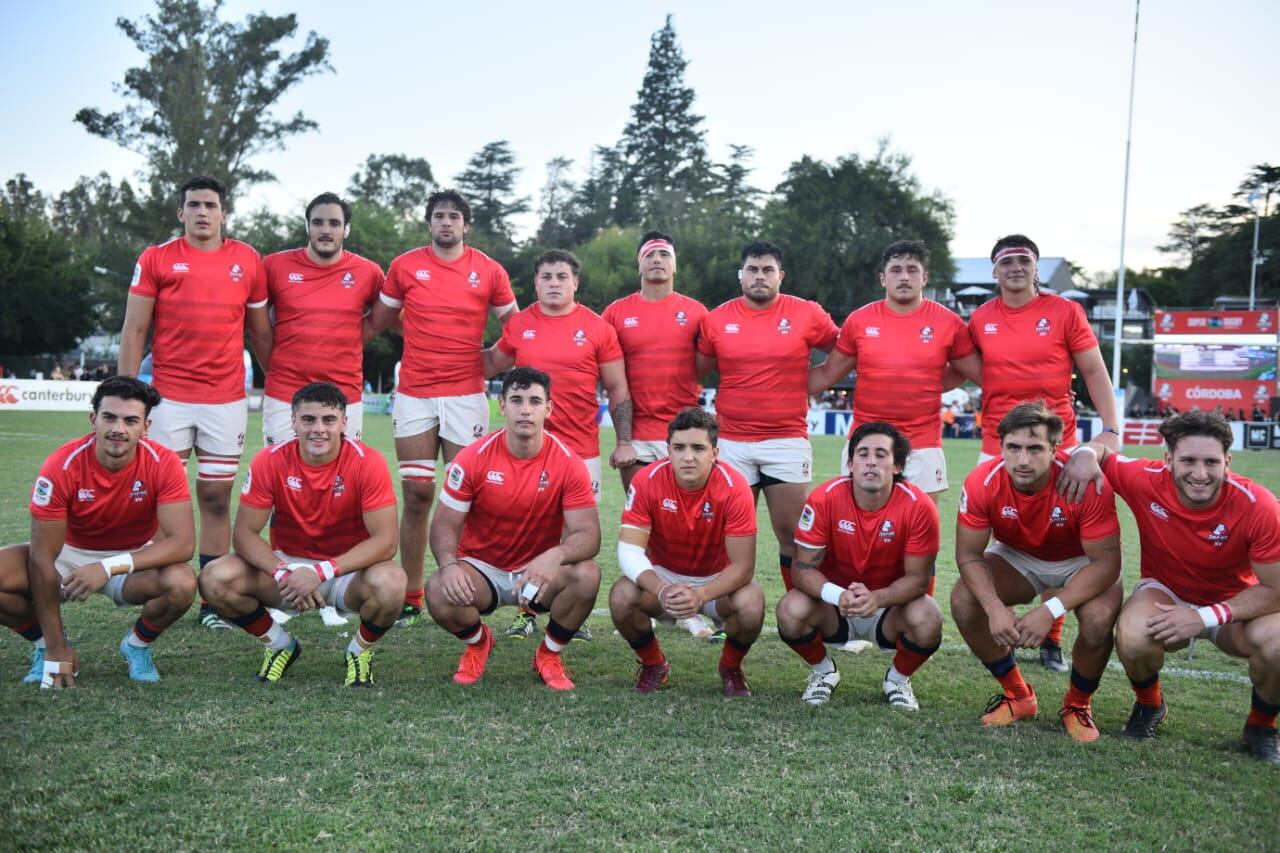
(761, 344)
(517, 524)
(579, 351)
(446, 292)
(687, 545)
(318, 295)
(200, 291)
(1042, 543)
(332, 513)
(1031, 342)
(110, 513)
(865, 543)
(1210, 567)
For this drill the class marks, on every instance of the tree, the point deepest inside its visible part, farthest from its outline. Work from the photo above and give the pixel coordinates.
(1194, 227)
(395, 181)
(489, 183)
(556, 204)
(202, 102)
(46, 290)
(834, 220)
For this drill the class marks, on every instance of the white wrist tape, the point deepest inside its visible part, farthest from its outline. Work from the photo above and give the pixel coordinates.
(118, 564)
(282, 571)
(326, 569)
(529, 591)
(1083, 447)
(633, 561)
(831, 593)
(1213, 615)
(52, 668)
(1055, 607)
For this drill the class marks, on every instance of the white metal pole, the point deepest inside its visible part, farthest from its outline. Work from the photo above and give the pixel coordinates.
(1253, 259)
(1124, 218)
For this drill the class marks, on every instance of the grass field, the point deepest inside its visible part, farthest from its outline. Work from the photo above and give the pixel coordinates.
(210, 759)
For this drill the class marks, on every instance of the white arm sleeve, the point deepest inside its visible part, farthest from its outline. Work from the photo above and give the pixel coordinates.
(633, 561)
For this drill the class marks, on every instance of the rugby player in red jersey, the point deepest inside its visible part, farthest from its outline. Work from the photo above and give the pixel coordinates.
(200, 292)
(110, 513)
(444, 294)
(517, 525)
(865, 543)
(319, 296)
(579, 351)
(686, 546)
(1041, 542)
(332, 514)
(761, 343)
(1210, 567)
(1031, 343)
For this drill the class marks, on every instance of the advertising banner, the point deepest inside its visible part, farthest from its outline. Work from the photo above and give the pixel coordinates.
(46, 395)
(1182, 323)
(1208, 394)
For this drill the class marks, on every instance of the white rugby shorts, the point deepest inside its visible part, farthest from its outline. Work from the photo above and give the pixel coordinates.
(215, 428)
(460, 420)
(277, 420)
(789, 460)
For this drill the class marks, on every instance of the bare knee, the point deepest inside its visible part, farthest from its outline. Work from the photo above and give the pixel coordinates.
(624, 596)
(178, 583)
(924, 619)
(218, 577)
(963, 605)
(793, 612)
(418, 497)
(386, 583)
(748, 604)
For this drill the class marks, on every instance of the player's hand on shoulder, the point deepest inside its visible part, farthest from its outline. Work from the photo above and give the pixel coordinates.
(85, 581)
(1174, 624)
(1081, 471)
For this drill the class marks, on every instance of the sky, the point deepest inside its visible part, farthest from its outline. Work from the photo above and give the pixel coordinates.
(1016, 111)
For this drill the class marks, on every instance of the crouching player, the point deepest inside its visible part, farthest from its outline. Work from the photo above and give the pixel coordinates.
(687, 545)
(110, 513)
(516, 525)
(1210, 568)
(1041, 542)
(332, 512)
(864, 549)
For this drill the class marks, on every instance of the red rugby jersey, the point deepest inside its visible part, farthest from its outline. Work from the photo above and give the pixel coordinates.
(108, 510)
(446, 305)
(867, 547)
(658, 340)
(1027, 355)
(687, 528)
(318, 509)
(318, 311)
(569, 348)
(763, 358)
(901, 359)
(198, 344)
(515, 507)
(1204, 556)
(1043, 525)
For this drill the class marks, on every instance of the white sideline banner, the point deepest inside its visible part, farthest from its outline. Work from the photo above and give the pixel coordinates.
(46, 395)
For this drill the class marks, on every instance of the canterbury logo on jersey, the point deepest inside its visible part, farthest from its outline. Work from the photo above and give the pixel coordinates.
(495, 477)
(422, 275)
(669, 505)
(631, 322)
(845, 526)
(528, 334)
(85, 495)
(990, 329)
(873, 331)
(1159, 511)
(731, 328)
(296, 276)
(181, 267)
(1008, 512)
(294, 483)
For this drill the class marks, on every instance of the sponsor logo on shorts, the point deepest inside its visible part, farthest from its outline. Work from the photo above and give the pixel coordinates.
(236, 272)
(631, 498)
(296, 276)
(422, 275)
(964, 500)
(682, 319)
(137, 275)
(348, 280)
(784, 326)
(339, 487)
(806, 518)
(804, 468)
(1219, 535)
(873, 331)
(845, 526)
(669, 505)
(473, 279)
(887, 533)
(707, 514)
(139, 492)
(294, 483)
(181, 267)
(1159, 511)
(495, 477)
(455, 476)
(1043, 327)
(42, 493)
(1057, 518)
(631, 322)
(248, 482)
(528, 334)
(990, 328)
(731, 328)
(926, 334)
(477, 430)
(1008, 512)
(580, 337)
(85, 495)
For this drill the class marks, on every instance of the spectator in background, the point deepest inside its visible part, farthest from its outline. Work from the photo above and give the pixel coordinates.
(57, 375)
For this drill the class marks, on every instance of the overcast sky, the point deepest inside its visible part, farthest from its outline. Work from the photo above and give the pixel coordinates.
(1014, 110)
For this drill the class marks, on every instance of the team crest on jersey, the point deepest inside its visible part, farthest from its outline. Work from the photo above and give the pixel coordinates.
(296, 277)
(873, 331)
(1008, 512)
(580, 337)
(473, 279)
(455, 476)
(495, 477)
(422, 275)
(990, 328)
(682, 319)
(1159, 511)
(926, 334)
(237, 272)
(528, 334)
(707, 514)
(630, 322)
(181, 266)
(631, 498)
(887, 533)
(669, 505)
(42, 492)
(845, 526)
(85, 495)
(731, 328)
(1043, 327)
(137, 275)
(294, 483)
(138, 493)
(348, 280)
(1219, 535)
(784, 326)
(1057, 518)
(806, 518)
(544, 481)
(339, 487)
(248, 482)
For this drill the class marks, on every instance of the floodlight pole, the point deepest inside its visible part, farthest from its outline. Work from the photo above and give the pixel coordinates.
(1124, 218)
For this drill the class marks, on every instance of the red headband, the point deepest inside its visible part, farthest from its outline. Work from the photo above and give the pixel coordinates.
(1014, 251)
(654, 244)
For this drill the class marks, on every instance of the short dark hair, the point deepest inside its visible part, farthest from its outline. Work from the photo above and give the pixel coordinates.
(654, 235)
(203, 182)
(901, 446)
(331, 198)
(558, 256)
(1015, 241)
(1187, 424)
(906, 249)
(126, 388)
(521, 378)
(1030, 416)
(760, 249)
(452, 197)
(694, 418)
(324, 393)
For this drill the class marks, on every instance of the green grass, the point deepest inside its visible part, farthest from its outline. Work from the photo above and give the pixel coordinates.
(208, 758)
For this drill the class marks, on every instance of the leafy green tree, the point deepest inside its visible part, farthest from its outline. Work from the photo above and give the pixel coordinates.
(489, 184)
(555, 205)
(609, 268)
(1188, 235)
(394, 181)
